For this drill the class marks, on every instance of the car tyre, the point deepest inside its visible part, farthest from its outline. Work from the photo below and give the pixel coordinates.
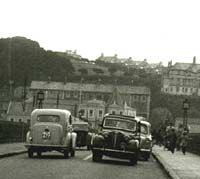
(134, 160)
(39, 153)
(66, 154)
(30, 153)
(97, 156)
(72, 153)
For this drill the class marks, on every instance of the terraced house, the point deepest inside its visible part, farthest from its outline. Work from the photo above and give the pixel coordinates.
(73, 96)
(182, 79)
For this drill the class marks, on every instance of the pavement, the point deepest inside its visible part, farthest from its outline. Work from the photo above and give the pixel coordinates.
(10, 149)
(177, 165)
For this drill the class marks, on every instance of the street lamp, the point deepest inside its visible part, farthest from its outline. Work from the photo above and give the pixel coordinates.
(40, 98)
(186, 107)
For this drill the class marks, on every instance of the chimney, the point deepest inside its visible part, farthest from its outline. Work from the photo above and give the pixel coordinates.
(65, 81)
(49, 79)
(194, 60)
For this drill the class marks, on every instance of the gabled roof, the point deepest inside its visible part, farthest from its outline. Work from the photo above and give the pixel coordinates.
(187, 67)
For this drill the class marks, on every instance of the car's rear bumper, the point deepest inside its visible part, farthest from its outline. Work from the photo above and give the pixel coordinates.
(46, 147)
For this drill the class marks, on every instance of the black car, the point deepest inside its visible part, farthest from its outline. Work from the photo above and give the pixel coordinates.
(118, 137)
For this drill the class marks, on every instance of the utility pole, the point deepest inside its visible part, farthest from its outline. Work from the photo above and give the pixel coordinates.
(10, 68)
(24, 95)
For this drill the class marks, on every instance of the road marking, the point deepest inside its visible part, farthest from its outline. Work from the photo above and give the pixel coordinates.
(88, 157)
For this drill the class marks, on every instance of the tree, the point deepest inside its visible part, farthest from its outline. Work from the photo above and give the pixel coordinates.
(160, 117)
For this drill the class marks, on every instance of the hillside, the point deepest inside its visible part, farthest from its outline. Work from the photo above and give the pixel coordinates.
(21, 58)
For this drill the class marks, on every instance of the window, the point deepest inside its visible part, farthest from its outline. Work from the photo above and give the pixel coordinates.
(121, 112)
(171, 88)
(67, 94)
(113, 112)
(100, 113)
(91, 113)
(75, 94)
(48, 118)
(177, 89)
(186, 90)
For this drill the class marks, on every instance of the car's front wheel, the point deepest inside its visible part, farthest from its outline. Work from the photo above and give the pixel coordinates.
(97, 156)
(39, 153)
(66, 154)
(134, 159)
(30, 153)
(72, 153)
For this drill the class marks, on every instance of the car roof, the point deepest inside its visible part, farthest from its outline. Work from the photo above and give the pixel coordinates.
(121, 116)
(145, 122)
(50, 111)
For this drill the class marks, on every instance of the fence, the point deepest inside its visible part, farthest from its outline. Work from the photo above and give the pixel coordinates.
(13, 131)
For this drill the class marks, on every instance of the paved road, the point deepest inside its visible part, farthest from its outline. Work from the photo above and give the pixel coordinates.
(53, 166)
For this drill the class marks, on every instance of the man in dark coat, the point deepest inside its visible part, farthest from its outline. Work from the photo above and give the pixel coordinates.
(172, 140)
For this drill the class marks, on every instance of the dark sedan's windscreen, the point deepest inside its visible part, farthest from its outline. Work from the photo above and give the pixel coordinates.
(120, 123)
(48, 118)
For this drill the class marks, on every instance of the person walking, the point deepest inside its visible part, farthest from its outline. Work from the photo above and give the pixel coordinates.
(184, 142)
(172, 140)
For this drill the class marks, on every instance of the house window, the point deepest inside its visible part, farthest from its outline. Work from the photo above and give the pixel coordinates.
(100, 113)
(67, 94)
(177, 89)
(20, 120)
(121, 112)
(171, 89)
(186, 90)
(91, 113)
(113, 112)
(75, 94)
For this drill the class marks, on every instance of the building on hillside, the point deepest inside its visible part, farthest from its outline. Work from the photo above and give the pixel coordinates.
(182, 79)
(135, 64)
(71, 95)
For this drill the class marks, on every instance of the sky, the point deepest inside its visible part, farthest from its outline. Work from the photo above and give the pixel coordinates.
(156, 30)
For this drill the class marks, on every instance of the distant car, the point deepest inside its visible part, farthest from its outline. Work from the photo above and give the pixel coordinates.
(145, 139)
(51, 129)
(83, 135)
(118, 138)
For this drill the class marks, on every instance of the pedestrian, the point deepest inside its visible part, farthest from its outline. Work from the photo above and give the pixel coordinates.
(184, 141)
(172, 140)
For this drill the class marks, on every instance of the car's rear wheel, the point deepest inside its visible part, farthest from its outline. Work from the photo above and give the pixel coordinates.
(39, 153)
(97, 156)
(30, 153)
(72, 153)
(146, 156)
(66, 154)
(134, 159)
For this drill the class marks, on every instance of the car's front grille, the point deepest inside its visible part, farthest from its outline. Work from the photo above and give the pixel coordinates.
(115, 140)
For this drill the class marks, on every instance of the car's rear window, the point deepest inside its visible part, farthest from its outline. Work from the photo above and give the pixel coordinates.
(48, 118)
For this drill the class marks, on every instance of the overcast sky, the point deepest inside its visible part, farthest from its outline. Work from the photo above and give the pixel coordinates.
(158, 30)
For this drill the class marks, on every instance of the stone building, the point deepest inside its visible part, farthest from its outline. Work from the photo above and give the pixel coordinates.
(182, 79)
(71, 95)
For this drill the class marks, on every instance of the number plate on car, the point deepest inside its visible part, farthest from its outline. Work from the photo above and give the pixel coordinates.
(46, 135)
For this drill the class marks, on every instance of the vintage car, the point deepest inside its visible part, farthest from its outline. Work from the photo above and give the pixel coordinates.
(51, 129)
(118, 137)
(81, 128)
(145, 140)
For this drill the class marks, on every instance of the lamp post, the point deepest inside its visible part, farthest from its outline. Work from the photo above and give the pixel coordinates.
(40, 98)
(186, 107)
